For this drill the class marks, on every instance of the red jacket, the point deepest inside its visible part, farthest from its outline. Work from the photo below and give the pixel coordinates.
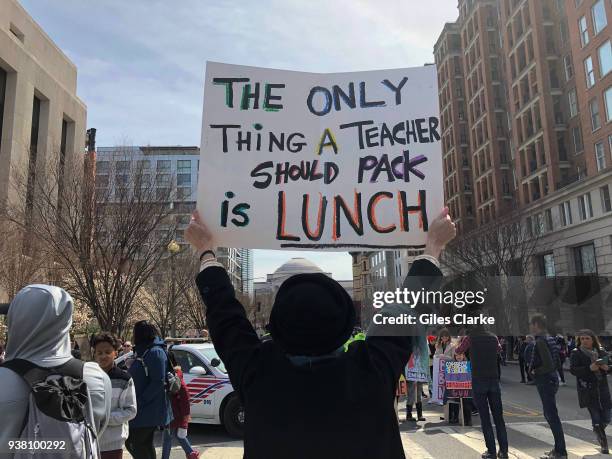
(180, 405)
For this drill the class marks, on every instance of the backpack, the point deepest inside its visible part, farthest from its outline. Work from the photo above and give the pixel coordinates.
(57, 410)
(173, 382)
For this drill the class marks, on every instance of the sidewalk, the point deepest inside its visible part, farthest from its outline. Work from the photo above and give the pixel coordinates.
(229, 450)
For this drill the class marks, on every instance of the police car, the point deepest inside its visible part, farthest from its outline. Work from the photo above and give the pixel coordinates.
(213, 399)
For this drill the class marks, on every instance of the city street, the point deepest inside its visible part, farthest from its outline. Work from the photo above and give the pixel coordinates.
(528, 432)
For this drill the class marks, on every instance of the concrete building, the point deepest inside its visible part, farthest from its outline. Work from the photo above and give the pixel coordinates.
(170, 167)
(42, 121)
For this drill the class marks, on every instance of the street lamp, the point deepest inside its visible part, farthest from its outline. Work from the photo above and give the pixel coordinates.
(173, 249)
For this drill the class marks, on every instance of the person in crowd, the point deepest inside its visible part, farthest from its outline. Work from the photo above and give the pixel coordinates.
(126, 347)
(414, 397)
(105, 348)
(521, 346)
(563, 353)
(445, 349)
(181, 411)
(483, 348)
(2, 352)
(544, 365)
(39, 320)
(431, 343)
(444, 345)
(302, 379)
(503, 355)
(149, 372)
(589, 363)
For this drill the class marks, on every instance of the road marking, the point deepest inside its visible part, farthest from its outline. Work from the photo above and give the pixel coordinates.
(573, 444)
(474, 439)
(412, 449)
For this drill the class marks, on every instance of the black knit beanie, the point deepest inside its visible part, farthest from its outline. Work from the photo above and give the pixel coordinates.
(312, 315)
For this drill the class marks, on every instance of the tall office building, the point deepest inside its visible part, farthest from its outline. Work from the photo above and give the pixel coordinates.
(172, 166)
(537, 76)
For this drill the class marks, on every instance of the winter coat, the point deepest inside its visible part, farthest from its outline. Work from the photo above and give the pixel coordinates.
(181, 408)
(123, 409)
(154, 408)
(591, 390)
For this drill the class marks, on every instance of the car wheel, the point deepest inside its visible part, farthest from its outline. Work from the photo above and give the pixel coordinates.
(233, 417)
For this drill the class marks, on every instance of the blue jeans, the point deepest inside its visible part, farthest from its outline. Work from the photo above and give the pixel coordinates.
(599, 415)
(486, 394)
(548, 385)
(167, 446)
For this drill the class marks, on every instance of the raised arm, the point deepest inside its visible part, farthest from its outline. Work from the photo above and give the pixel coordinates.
(231, 332)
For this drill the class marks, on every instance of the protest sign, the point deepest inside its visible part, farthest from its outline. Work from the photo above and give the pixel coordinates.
(418, 364)
(293, 160)
(458, 379)
(437, 396)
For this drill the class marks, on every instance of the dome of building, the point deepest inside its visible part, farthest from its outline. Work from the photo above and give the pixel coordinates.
(297, 266)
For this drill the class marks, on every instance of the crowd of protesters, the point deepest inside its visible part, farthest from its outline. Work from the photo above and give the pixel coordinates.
(311, 348)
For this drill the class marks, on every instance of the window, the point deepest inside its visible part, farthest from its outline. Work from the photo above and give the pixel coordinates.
(183, 193)
(566, 213)
(598, 10)
(548, 220)
(573, 102)
(122, 167)
(163, 164)
(600, 156)
(34, 133)
(595, 118)
(589, 72)
(606, 204)
(186, 360)
(585, 259)
(143, 164)
(102, 166)
(585, 209)
(608, 101)
(102, 181)
(547, 265)
(569, 68)
(577, 137)
(605, 58)
(162, 179)
(584, 31)
(183, 166)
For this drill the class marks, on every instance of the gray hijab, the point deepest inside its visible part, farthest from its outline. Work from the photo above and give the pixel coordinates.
(39, 320)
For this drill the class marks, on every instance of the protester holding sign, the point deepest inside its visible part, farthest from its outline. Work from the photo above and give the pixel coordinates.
(416, 376)
(301, 385)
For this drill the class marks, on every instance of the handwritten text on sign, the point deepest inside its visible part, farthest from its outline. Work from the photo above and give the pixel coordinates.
(330, 161)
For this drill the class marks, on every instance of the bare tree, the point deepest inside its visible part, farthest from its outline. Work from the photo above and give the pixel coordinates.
(500, 256)
(165, 298)
(104, 238)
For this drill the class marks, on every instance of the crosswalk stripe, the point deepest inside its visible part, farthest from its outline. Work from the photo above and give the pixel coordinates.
(474, 439)
(584, 423)
(412, 449)
(573, 444)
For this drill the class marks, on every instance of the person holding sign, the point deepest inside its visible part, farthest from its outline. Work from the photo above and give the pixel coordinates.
(303, 396)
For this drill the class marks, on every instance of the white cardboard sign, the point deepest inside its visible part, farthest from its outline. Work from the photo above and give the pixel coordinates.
(344, 161)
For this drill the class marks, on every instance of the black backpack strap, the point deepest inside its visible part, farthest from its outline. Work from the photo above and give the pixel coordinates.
(33, 374)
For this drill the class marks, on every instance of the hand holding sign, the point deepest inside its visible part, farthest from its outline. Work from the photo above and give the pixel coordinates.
(198, 234)
(441, 231)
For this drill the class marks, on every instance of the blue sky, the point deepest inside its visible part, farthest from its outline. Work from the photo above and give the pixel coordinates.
(141, 63)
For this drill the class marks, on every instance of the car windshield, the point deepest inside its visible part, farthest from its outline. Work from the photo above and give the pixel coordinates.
(210, 354)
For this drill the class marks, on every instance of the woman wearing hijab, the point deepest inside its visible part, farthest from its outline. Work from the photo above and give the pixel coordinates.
(589, 363)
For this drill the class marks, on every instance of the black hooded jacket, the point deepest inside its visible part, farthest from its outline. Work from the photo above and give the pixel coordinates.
(333, 408)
